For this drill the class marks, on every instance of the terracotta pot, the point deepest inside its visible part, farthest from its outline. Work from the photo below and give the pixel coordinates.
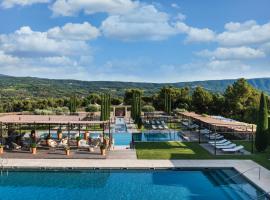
(78, 143)
(1, 150)
(67, 152)
(103, 152)
(86, 135)
(34, 150)
(60, 136)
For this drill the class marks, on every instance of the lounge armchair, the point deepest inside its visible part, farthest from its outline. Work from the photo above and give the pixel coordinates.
(83, 144)
(52, 143)
(95, 143)
(63, 143)
(15, 146)
(234, 149)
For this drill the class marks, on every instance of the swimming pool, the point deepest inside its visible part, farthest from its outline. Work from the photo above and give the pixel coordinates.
(157, 136)
(126, 184)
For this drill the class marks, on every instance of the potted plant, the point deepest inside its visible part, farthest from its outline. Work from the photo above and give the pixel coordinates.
(67, 150)
(86, 135)
(59, 134)
(106, 140)
(78, 140)
(34, 148)
(103, 149)
(1, 149)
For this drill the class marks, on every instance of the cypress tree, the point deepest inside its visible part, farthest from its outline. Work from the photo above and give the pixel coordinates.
(165, 101)
(262, 125)
(169, 103)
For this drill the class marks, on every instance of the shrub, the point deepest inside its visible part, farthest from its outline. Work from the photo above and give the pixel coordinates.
(92, 108)
(148, 108)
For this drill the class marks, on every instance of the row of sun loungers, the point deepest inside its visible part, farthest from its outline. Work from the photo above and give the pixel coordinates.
(160, 127)
(154, 122)
(189, 125)
(219, 142)
(226, 146)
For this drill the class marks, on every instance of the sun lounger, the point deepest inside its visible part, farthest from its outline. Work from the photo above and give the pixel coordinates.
(154, 127)
(205, 131)
(166, 127)
(226, 146)
(221, 144)
(234, 149)
(160, 127)
(216, 137)
(185, 123)
(162, 122)
(218, 141)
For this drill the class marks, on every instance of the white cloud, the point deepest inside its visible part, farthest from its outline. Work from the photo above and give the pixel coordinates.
(196, 34)
(12, 3)
(233, 53)
(246, 33)
(64, 54)
(67, 40)
(8, 59)
(180, 17)
(71, 31)
(73, 7)
(175, 5)
(145, 22)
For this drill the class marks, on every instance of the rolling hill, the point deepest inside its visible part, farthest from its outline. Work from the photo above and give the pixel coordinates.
(24, 87)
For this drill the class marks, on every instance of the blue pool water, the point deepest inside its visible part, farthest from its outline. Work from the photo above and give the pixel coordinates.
(126, 185)
(122, 139)
(157, 136)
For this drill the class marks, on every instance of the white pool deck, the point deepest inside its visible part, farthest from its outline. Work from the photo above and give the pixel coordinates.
(239, 165)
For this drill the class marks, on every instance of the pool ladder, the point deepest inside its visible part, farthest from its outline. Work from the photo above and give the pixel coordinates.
(262, 196)
(241, 173)
(3, 161)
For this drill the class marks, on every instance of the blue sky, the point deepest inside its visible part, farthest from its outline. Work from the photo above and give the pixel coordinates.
(145, 41)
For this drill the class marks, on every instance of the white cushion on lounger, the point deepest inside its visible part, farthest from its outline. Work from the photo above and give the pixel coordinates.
(235, 149)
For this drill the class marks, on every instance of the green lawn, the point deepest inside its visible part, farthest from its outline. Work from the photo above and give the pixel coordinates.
(192, 150)
(170, 150)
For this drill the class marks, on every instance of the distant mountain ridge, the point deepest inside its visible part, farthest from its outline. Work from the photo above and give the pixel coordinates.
(24, 87)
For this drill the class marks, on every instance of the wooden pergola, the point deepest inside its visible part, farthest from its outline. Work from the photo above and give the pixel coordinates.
(221, 125)
(50, 120)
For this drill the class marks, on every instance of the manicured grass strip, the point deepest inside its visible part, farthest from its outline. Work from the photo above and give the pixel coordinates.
(169, 150)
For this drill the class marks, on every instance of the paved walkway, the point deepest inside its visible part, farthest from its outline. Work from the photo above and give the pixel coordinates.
(124, 153)
(239, 165)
